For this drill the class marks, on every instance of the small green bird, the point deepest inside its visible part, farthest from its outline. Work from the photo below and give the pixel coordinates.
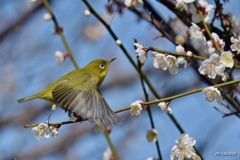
(78, 92)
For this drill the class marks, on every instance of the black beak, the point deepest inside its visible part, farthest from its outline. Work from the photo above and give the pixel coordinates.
(112, 60)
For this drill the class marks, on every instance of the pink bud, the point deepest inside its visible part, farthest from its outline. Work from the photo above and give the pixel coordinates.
(60, 56)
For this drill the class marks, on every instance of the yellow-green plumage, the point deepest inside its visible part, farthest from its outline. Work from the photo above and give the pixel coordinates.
(78, 92)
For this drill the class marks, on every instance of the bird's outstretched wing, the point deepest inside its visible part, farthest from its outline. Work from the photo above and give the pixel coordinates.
(82, 97)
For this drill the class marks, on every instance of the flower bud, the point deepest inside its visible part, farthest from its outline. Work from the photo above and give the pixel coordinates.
(60, 56)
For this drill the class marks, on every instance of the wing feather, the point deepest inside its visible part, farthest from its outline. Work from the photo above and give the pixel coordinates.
(62, 96)
(72, 102)
(85, 101)
(70, 98)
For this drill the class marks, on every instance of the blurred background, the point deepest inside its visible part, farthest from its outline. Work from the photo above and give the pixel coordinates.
(27, 62)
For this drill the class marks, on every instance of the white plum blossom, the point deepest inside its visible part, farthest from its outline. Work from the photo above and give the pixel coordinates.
(212, 67)
(169, 62)
(41, 130)
(60, 56)
(152, 135)
(136, 107)
(133, 3)
(165, 107)
(225, 76)
(183, 148)
(235, 44)
(54, 131)
(211, 47)
(206, 10)
(196, 33)
(141, 52)
(172, 64)
(227, 59)
(181, 62)
(219, 42)
(180, 49)
(182, 4)
(159, 60)
(212, 94)
(107, 154)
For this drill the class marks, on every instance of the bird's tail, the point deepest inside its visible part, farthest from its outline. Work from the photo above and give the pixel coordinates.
(26, 99)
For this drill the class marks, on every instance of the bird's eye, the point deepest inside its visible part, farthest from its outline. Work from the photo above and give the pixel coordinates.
(102, 66)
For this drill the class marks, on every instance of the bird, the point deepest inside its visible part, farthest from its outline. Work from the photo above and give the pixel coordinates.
(79, 93)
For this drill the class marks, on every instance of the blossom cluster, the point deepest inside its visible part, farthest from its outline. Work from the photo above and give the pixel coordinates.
(219, 60)
(206, 9)
(216, 65)
(43, 130)
(168, 62)
(163, 60)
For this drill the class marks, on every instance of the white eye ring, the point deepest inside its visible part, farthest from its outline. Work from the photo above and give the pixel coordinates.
(102, 66)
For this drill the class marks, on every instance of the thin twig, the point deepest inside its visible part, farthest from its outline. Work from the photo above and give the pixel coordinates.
(114, 151)
(59, 30)
(207, 28)
(148, 108)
